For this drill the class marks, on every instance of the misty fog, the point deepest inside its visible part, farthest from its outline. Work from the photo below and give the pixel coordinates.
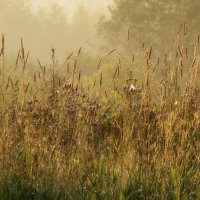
(65, 25)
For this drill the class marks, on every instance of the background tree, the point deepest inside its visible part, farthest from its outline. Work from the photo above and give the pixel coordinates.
(151, 21)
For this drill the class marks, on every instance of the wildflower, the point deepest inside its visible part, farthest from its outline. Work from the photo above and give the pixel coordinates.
(132, 88)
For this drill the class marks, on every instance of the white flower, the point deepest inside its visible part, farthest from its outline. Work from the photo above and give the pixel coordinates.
(132, 88)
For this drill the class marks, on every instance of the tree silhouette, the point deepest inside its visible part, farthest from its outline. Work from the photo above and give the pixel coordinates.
(152, 21)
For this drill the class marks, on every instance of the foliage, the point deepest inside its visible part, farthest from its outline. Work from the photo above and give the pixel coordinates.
(148, 21)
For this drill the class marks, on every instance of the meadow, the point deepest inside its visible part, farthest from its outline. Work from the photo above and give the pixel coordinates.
(129, 131)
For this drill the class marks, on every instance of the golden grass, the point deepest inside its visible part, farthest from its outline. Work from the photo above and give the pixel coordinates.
(127, 137)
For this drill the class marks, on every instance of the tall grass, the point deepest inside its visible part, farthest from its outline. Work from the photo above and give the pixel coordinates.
(124, 135)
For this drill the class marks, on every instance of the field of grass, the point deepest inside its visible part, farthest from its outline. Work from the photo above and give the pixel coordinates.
(131, 131)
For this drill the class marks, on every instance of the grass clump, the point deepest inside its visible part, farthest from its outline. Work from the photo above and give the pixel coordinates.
(126, 137)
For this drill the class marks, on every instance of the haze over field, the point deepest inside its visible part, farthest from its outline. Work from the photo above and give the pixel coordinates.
(68, 24)
(70, 6)
(43, 24)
